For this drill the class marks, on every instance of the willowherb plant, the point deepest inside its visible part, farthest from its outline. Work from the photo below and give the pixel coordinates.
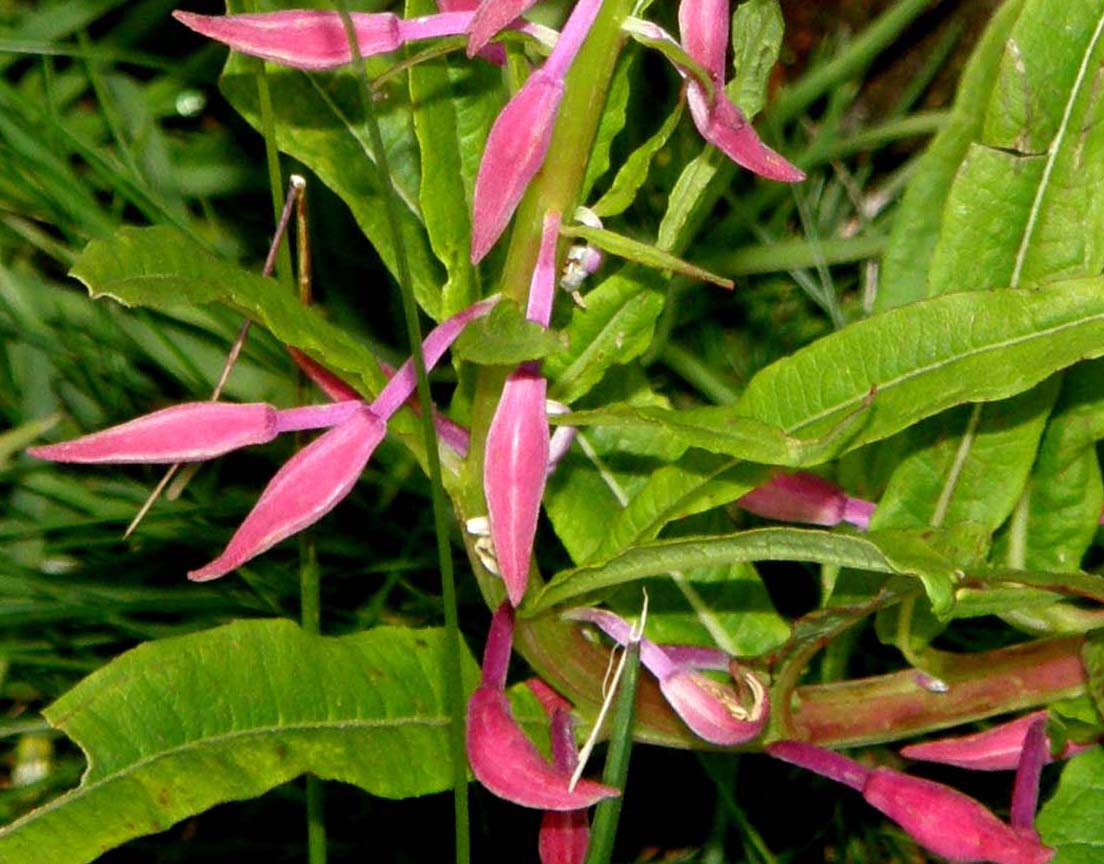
(916, 404)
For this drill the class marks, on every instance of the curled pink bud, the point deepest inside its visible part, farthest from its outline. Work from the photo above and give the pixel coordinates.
(996, 749)
(713, 710)
(501, 757)
(514, 469)
(184, 433)
(302, 38)
(804, 497)
(704, 26)
(305, 489)
(491, 17)
(939, 818)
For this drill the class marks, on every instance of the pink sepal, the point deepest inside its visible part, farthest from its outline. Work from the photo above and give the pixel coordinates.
(514, 474)
(302, 39)
(724, 126)
(184, 433)
(515, 151)
(995, 749)
(306, 488)
(491, 17)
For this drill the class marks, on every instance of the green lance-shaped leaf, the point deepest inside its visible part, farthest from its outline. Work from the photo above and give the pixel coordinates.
(1025, 206)
(173, 728)
(634, 172)
(506, 337)
(615, 328)
(446, 126)
(917, 223)
(921, 359)
(1070, 821)
(319, 121)
(757, 28)
(160, 268)
(1055, 523)
(642, 253)
(718, 430)
(895, 552)
(974, 477)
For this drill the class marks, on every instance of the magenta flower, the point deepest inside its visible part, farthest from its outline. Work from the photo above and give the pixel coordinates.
(308, 486)
(501, 757)
(804, 497)
(519, 139)
(939, 818)
(996, 749)
(713, 710)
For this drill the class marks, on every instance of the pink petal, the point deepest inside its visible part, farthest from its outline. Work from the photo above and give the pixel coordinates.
(514, 474)
(301, 39)
(514, 153)
(491, 17)
(1025, 791)
(304, 490)
(996, 749)
(184, 433)
(704, 27)
(565, 835)
(726, 128)
(508, 764)
(949, 823)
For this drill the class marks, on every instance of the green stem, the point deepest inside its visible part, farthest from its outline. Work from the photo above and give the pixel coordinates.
(608, 812)
(454, 648)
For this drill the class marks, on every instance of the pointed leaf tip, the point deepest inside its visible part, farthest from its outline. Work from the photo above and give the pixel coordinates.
(305, 489)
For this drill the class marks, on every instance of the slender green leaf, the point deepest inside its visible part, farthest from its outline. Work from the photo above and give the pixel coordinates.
(895, 552)
(642, 253)
(921, 360)
(615, 328)
(160, 268)
(916, 225)
(757, 28)
(634, 172)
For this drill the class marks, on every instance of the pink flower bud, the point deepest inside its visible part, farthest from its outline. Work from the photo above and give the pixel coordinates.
(302, 38)
(949, 823)
(514, 469)
(491, 17)
(501, 757)
(305, 489)
(996, 749)
(939, 818)
(184, 433)
(564, 835)
(704, 26)
(806, 498)
(713, 710)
